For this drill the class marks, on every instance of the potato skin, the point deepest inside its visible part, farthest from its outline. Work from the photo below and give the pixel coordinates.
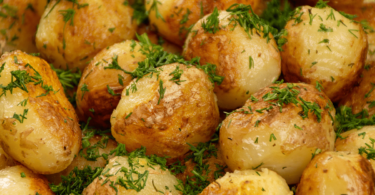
(337, 65)
(11, 182)
(88, 35)
(249, 182)
(48, 139)
(97, 78)
(230, 50)
(188, 113)
(5, 160)
(333, 3)
(246, 143)
(337, 173)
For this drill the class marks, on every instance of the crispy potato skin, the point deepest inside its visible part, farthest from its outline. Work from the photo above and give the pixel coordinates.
(89, 33)
(11, 182)
(337, 173)
(246, 144)
(337, 65)
(188, 113)
(249, 182)
(48, 139)
(230, 51)
(97, 78)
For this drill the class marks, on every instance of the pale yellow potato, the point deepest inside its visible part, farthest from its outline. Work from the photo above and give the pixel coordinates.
(49, 136)
(11, 182)
(187, 113)
(5, 159)
(96, 78)
(85, 34)
(335, 59)
(274, 139)
(337, 173)
(158, 180)
(230, 50)
(249, 182)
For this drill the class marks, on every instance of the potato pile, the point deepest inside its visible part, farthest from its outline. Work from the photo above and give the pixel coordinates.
(187, 97)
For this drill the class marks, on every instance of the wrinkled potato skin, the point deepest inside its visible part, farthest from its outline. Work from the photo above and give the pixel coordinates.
(188, 113)
(337, 173)
(48, 139)
(89, 34)
(343, 60)
(96, 77)
(249, 182)
(5, 160)
(289, 154)
(11, 182)
(230, 51)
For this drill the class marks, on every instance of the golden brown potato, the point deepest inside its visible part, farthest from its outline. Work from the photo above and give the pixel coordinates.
(39, 126)
(18, 23)
(71, 34)
(93, 95)
(328, 49)
(162, 115)
(249, 182)
(20, 180)
(260, 135)
(5, 160)
(333, 3)
(247, 63)
(158, 181)
(337, 173)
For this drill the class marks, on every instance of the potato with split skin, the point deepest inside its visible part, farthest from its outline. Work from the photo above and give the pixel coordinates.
(261, 134)
(71, 34)
(249, 182)
(94, 98)
(248, 64)
(163, 111)
(337, 173)
(324, 47)
(39, 126)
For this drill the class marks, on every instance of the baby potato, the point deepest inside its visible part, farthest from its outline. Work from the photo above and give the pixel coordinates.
(249, 182)
(39, 126)
(71, 34)
(263, 135)
(248, 64)
(337, 173)
(330, 52)
(94, 98)
(156, 181)
(20, 180)
(5, 159)
(163, 114)
(333, 3)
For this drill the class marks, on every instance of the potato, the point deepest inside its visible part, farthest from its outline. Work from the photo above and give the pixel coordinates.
(20, 180)
(71, 34)
(157, 180)
(173, 18)
(247, 64)
(249, 182)
(39, 126)
(331, 52)
(5, 159)
(334, 3)
(165, 121)
(18, 24)
(93, 97)
(280, 140)
(337, 173)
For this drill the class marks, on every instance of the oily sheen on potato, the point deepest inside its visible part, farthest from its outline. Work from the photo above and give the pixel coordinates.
(39, 127)
(279, 128)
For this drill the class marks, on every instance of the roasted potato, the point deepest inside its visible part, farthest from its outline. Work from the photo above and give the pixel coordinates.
(249, 182)
(5, 160)
(324, 48)
(20, 180)
(157, 180)
(39, 126)
(247, 63)
(164, 114)
(94, 98)
(333, 3)
(337, 173)
(70, 34)
(263, 135)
